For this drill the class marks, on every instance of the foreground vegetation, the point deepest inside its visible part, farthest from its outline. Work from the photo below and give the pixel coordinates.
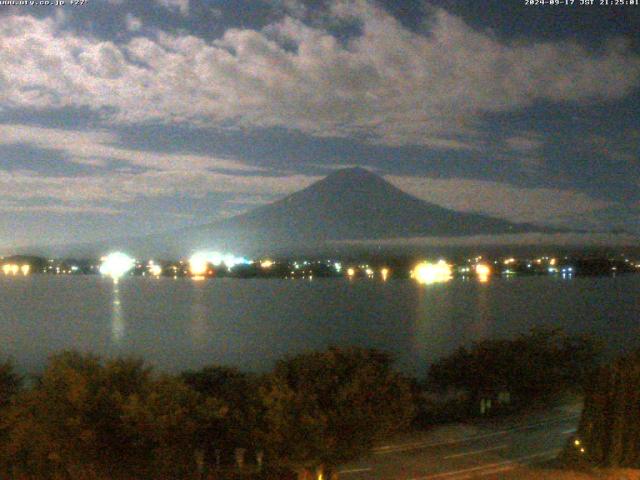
(609, 430)
(86, 418)
(533, 368)
(90, 418)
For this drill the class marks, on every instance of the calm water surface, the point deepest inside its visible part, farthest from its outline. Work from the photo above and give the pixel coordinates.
(181, 324)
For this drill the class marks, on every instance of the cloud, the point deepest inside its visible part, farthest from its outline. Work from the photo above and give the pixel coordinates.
(295, 8)
(58, 209)
(156, 174)
(524, 239)
(127, 188)
(98, 147)
(624, 147)
(132, 22)
(386, 85)
(181, 6)
(546, 206)
(525, 143)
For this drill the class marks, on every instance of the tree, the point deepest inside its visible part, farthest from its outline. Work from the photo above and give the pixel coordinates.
(171, 421)
(325, 408)
(609, 429)
(89, 419)
(9, 383)
(242, 424)
(541, 363)
(71, 420)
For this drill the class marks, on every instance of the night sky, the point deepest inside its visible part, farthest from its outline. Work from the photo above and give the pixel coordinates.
(129, 117)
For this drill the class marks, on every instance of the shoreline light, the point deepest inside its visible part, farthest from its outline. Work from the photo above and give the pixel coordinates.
(14, 269)
(198, 264)
(483, 271)
(154, 269)
(427, 273)
(200, 261)
(116, 264)
(385, 274)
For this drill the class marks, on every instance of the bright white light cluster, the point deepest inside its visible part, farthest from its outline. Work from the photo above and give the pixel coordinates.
(427, 273)
(200, 260)
(116, 264)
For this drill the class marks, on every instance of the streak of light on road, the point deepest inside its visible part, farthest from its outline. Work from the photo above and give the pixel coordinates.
(418, 445)
(355, 470)
(475, 471)
(475, 452)
(509, 447)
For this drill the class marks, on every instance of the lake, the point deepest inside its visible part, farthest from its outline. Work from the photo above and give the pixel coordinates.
(178, 324)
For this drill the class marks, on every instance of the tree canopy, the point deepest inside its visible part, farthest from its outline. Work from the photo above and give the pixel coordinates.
(539, 363)
(609, 429)
(9, 382)
(87, 418)
(323, 408)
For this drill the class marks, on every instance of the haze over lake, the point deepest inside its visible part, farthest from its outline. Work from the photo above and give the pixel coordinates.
(182, 324)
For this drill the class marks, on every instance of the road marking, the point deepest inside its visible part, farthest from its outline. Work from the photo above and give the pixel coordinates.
(567, 432)
(506, 468)
(475, 452)
(386, 449)
(546, 422)
(355, 470)
(413, 446)
(488, 466)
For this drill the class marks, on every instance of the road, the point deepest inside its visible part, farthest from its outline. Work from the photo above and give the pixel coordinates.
(465, 451)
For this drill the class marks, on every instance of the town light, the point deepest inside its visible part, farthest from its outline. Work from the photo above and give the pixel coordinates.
(385, 274)
(427, 273)
(267, 263)
(155, 269)
(116, 264)
(14, 269)
(199, 261)
(198, 264)
(483, 271)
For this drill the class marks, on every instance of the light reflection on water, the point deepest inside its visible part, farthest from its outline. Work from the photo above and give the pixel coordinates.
(480, 328)
(118, 324)
(180, 324)
(199, 326)
(434, 305)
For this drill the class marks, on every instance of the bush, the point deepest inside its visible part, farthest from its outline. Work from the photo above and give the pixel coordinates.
(242, 426)
(609, 429)
(326, 408)
(530, 367)
(90, 420)
(10, 383)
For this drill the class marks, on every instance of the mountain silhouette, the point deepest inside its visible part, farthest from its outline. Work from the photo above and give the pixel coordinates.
(349, 204)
